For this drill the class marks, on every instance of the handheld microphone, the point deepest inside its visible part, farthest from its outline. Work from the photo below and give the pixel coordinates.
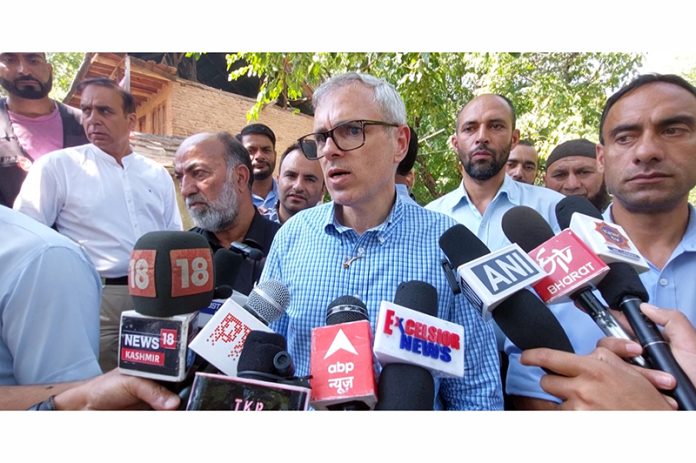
(170, 278)
(221, 340)
(523, 318)
(623, 289)
(487, 278)
(408, 331)
(264, 380)
(574, 268)
(265, 357)
(341, 361)
(609, 241)
(227, 265)
(405, 385)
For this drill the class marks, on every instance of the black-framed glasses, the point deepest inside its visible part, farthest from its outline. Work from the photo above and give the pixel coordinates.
(347, 136)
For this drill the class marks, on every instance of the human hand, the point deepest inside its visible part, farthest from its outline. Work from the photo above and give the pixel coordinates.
(116, 391)
(598, 381)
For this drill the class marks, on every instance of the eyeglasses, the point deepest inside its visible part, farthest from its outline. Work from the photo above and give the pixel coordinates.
(347, 136)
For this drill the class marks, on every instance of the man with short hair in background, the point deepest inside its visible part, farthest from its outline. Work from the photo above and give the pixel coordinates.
(523, 162)
(260, 141)
(300, 183)
(572, 169)
(31, 124)
(405, 175)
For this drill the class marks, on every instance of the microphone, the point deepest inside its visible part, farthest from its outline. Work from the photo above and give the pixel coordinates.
(623, 289)
(170, 277)
(227, 265)
(522, 317)
(608, 241)
(264, 381)
(409, 332)
(487, 278)
(221, 340)
(341, 362)
(265, 357)
(573, 267)
(405, 385)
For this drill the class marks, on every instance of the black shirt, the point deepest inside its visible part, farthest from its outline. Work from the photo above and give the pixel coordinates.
(260, 235)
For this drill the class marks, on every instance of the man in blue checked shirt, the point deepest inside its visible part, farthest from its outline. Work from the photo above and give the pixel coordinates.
(367, 240)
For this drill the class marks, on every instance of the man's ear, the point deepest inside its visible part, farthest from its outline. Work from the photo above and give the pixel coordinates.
(403, 136)
(243, 175)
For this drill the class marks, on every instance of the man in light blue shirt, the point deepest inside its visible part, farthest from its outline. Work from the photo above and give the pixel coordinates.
(648, 152)
(49, 305)
(483, 138)
(484, 135)
(367, 240)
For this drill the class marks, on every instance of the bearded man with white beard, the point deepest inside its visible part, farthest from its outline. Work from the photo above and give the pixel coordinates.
(214, 173)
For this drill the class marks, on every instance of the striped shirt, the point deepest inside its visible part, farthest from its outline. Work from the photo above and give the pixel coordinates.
(319, 260)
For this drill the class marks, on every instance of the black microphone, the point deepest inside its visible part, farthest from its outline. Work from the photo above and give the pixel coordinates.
(265, 357)
(526, 227)
(622, 288)
(227, 265)
(522, 317)
(404, 386)
(265, 380)
(171, 277)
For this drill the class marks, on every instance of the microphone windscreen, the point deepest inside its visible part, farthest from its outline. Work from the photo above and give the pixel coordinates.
(227, 266)
(268, 301)
(405, 387)
(171, 273)
(530, 324)
(417, 295)
(570, 204)
(222, 292)
(526, 227)
(260, 348)
(346, 309)
(621, 281)
(460, 245)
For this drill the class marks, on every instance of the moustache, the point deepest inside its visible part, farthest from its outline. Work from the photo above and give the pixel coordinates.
(197, 198)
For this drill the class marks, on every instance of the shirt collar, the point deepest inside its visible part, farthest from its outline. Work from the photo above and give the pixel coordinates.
(509, 188)
(332, 226)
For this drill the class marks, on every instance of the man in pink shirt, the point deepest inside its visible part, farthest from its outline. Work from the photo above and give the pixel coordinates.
(31, 124)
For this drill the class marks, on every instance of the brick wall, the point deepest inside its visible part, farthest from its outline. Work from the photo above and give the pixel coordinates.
(198, 108)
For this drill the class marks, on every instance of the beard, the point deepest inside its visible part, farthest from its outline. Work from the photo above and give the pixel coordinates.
(263, 174)
(485, 170)
(29, 93)
(216, 215)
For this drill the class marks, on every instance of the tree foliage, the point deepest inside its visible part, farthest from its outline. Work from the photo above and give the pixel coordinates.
(557, 95)
(65, 66)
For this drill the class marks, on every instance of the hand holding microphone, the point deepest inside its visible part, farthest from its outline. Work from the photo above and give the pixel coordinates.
(623, 290)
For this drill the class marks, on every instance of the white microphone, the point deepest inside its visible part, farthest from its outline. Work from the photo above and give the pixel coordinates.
(221, 340)
(417, 337)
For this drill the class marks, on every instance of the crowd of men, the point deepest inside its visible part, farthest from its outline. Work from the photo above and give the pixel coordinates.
(79, 210)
